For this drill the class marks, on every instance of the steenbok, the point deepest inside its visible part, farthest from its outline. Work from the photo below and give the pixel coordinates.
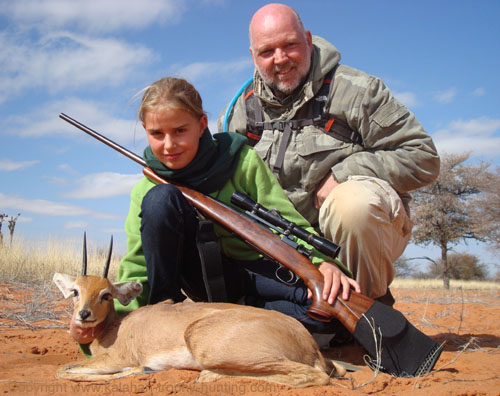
(218, 339)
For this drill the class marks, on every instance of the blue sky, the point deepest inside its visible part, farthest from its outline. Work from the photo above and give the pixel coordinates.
(89, 58)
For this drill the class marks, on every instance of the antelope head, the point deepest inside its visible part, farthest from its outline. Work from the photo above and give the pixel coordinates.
(93, 298)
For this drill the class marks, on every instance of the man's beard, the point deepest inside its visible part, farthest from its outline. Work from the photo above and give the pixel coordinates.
(284, 88)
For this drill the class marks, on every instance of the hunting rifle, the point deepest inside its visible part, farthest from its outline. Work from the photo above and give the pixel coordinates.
(397, 347)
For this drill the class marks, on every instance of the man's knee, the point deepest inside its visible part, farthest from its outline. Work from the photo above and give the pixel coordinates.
(352, 204)
(367, 218)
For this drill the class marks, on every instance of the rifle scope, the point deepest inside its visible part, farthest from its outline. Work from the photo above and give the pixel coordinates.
(274, 217)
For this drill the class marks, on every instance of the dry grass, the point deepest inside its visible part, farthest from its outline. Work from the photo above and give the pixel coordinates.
(438, 284)
(38, 261)
(28, 261)
(32, 306)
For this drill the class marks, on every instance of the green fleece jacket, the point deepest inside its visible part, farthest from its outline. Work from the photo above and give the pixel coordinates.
(251, 177)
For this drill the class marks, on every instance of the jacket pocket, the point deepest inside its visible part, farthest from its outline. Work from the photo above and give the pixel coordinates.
(317, 153)
(318, 142)
(389, 113)
(263, 147)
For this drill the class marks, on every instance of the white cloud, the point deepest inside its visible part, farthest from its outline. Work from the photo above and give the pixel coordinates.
(113, 231)
(50, 208)
(45, 121)
(202, 70)
(24, 219)
(67, 168)
(56, 180)
(76, 224)
(64, 61)
(21, 218)
(479, 92)
(446, 96)
(481, 136)
(407, 98)
(478, 126)
(93, 16)
(104, 185)
(7, 164)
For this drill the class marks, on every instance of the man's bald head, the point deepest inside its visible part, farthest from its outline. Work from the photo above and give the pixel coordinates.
(272, 11)
(280, 47)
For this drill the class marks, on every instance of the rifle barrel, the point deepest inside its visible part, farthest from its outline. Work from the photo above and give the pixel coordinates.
(104, 139)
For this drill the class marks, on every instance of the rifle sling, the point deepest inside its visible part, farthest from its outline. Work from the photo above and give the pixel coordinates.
(211, 262)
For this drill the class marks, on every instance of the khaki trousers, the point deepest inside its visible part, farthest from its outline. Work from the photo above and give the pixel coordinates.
(366, 217)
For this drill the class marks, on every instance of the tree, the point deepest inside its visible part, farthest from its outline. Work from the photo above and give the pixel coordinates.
(445, 212)
(403, 267)
(489, 205)
(462, 266)
(12, 226)
(466, 266)
(2, 217)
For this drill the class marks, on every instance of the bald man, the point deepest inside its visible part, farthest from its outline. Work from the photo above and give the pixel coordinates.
(344, 149)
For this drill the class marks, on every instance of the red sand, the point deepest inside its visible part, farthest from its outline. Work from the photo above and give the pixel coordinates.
(468, 322)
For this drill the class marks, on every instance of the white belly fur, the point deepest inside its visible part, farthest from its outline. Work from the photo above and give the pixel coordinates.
(179, 358)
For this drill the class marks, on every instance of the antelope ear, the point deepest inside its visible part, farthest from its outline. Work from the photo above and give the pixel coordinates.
(127, 291)
(65, 283)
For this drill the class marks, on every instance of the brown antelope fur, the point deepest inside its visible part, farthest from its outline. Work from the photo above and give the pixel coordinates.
(218, 339)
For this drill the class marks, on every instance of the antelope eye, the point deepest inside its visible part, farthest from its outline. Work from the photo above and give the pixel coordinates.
(106, 297)
(75, 292)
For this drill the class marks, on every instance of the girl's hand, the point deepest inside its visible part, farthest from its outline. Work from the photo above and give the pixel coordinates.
(334, 279)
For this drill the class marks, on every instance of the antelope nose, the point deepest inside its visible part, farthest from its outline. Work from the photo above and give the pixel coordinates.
(84, 314)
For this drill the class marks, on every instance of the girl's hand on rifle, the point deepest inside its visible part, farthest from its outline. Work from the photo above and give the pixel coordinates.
(334, 280)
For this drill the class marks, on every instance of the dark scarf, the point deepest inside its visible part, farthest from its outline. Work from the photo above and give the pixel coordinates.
(212, 166)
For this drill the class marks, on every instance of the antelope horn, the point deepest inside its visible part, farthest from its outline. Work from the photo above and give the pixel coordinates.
(84, 266)
(108, 260)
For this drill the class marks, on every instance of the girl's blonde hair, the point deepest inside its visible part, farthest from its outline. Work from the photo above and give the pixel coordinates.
(171, 92)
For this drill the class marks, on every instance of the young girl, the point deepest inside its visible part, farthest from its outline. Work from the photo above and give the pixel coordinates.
(161, 225)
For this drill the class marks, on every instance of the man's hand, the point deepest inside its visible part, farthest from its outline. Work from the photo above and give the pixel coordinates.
(323, 190)
(334, 279)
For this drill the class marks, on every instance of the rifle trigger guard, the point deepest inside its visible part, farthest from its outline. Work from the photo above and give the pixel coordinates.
(293, 279)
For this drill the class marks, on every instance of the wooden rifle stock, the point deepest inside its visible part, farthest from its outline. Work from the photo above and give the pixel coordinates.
(270, 245)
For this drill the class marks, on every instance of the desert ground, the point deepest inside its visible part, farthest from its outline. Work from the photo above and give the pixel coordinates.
(34, 342)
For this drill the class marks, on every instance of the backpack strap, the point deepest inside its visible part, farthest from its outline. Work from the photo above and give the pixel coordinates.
(282, 150)
(334, 127)
(255, 117)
